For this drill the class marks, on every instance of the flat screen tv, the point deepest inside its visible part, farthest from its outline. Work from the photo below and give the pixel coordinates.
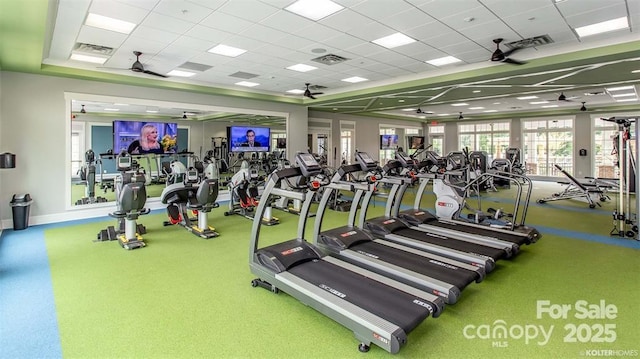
(249, 138)
(388, 142)
(140, 137)
(281, 143)
(416, 142)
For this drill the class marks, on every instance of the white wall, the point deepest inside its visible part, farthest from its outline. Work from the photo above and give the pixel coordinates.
(34, 122)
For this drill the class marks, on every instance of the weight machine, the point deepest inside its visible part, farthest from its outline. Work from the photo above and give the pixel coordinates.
(625, 223)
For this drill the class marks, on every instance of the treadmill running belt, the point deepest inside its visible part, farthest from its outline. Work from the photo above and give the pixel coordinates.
(495, 253)
(513, 238)
(458, 277)
(386, 302)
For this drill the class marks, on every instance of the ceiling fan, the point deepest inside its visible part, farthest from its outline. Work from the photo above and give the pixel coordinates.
(563, 98)
(500, 56)
(137, 66)
(309, 94)
(421, 111)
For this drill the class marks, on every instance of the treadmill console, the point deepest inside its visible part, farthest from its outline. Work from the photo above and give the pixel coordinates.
(124, 163)
(405, 159)
(365, 161)
(308, 164)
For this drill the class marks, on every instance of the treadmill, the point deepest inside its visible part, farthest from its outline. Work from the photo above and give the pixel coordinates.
(437, 274)
(392, 229)
(377, 309)
(461, 229)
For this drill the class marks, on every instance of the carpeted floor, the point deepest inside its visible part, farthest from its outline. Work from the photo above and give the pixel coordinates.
(185, 297)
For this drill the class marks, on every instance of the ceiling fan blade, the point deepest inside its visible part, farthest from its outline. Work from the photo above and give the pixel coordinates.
(317, 93)
(311, 96)
(509, 52)
(154, 73)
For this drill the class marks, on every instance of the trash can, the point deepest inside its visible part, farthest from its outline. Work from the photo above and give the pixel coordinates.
(20, 205)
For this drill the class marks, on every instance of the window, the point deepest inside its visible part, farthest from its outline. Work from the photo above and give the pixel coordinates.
(436, 138)
(546, 143)
(605, 158)
(274, 140)
(388, 154)
(346, 141)
(76, 160)
(490, 137)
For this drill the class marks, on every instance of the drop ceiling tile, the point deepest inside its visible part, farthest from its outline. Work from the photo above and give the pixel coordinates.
(148, 47)
(345, 20)
(366, 49)
(571, 8)
(460, 20)
(428, 30)
(273, 50)
(96, 36)
(167, 23)
(176, 55)
(380, 10)
(146, 32)
(243, 42)
(226, 22)
(183, 10)
(193, 43)
(116, 10)
(209, 34)
(143, 4)
(295, 42)
(257, 12)
(489, 30)
(461, 48)
(210, 59)
(413, 49)
(211, 4)
(342, 41)
(447, 38)
(477, 55)
(264, 33)
(287, 21)
(371, 31)
(407, 19)
(506, 8)
(597, 15)
(317, 32)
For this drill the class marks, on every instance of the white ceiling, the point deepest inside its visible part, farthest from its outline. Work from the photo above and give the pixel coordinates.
(171, 33)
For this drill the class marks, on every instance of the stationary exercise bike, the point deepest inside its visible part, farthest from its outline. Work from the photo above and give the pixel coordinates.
(131, 196)
(244, 195)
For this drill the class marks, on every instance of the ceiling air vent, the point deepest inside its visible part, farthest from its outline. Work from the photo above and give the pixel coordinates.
(531, 42)
(195, 66)
(93, 49)
(243, 75)
(330, 59)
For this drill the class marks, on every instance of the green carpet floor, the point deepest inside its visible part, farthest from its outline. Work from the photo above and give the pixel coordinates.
(185, 297)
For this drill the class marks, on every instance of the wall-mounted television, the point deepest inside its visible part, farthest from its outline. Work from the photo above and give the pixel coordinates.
(416, 142)
(388, 142)
(140, 137)
(249, 138)
(281, 143)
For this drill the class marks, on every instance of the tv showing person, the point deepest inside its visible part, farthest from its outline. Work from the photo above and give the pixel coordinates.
(148, 141)
(251, 139)
(417, 142)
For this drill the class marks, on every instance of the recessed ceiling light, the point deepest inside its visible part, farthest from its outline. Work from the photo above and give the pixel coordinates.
(443, 114)
(408, 109)
(496, 103)
(460, 104)
(354, 79)
(476, 108)
(401, 100)
(394, 40)
(628, 99)
(635, 72)
(112, 109)
(301, 68)
(526, 97)
(538, 102)
(477, 91)
(487, 111)
(87, 58)
(227, 50)
(247, 84)
(108, 23)
(549, 106)
(152, 111)
(443, 61)
(623, 94)
(605, 26)
(314, 9)
(620, 88)
(180, 73)
(296, 91)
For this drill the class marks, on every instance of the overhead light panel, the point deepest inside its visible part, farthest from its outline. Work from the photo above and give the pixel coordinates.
(627, 94)
(247, 84)
(394, 40)
(628, 99)
(476, 108)
(605, 26)
(87, 58)
(112, 109)
(354, 79)
(443, 61)
(296, 91)
(227, 50)
(314, 9)
(620, 88)
(460, 104)
(549, 106)
(526, 97)
(489, 111)
(180, 73)
(108, 23)
(302, 68)
(635, 72)
(538, 102)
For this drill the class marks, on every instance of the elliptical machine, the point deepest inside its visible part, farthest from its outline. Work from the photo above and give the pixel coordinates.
(244, 195)
(131, 196)
(88, 176)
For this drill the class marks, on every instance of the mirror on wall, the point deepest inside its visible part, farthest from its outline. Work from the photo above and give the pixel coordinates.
(102, 127)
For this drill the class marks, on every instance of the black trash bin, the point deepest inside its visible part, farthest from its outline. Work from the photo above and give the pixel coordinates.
(20, 205)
